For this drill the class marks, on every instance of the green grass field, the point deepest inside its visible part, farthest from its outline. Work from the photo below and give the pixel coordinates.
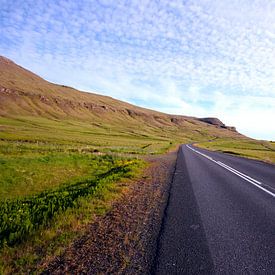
(54, 179)
(254, 149)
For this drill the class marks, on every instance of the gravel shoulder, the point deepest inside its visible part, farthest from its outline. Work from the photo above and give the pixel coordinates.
(124, 240)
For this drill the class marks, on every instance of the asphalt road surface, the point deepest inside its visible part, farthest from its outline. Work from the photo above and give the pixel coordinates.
(220, 216)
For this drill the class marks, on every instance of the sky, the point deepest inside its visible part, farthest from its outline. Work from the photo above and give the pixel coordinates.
(203, 58)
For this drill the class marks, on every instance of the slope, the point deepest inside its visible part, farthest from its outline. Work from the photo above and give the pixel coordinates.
(29, 103)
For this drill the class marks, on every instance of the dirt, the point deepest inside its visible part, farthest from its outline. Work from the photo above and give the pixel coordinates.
(124, 240)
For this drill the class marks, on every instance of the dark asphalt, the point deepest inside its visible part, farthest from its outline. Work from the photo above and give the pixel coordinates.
(217, 222)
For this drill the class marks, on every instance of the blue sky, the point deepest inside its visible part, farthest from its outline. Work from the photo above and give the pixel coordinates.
(199, 58)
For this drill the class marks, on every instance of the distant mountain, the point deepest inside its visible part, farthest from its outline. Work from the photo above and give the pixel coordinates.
(24, 94)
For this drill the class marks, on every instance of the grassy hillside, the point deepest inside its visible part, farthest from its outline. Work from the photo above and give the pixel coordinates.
(48, 131)
(29, 102)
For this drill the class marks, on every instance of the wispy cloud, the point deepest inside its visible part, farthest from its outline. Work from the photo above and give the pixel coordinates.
(191, 57)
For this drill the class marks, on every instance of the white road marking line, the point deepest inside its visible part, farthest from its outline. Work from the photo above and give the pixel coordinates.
(258, 182)
(234, 171)
(226, 166)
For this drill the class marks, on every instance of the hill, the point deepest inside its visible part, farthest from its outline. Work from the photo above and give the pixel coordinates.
(26, 97)
(33, 110)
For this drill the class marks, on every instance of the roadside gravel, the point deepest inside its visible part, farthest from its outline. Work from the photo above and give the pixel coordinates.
(124, 240)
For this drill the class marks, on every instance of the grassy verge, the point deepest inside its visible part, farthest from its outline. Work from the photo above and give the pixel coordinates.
(260, 150)
(55, 176)
(21, 217)
(28, 169)
(39, 226)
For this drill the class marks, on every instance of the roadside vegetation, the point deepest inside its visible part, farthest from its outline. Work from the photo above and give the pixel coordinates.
(56, 176)
(41, 225)
(254, 149)
(21, 217)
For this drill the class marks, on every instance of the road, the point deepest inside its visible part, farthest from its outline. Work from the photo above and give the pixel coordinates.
(220, 216)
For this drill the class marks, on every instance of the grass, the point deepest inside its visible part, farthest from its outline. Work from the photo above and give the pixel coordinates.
(41, 159)
(20, 217)
(36, 170)
(28, 174)
(49, 214)
(254, 149)
(51, 240)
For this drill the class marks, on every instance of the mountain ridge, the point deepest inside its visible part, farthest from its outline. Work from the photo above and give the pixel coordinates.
(23, 93)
